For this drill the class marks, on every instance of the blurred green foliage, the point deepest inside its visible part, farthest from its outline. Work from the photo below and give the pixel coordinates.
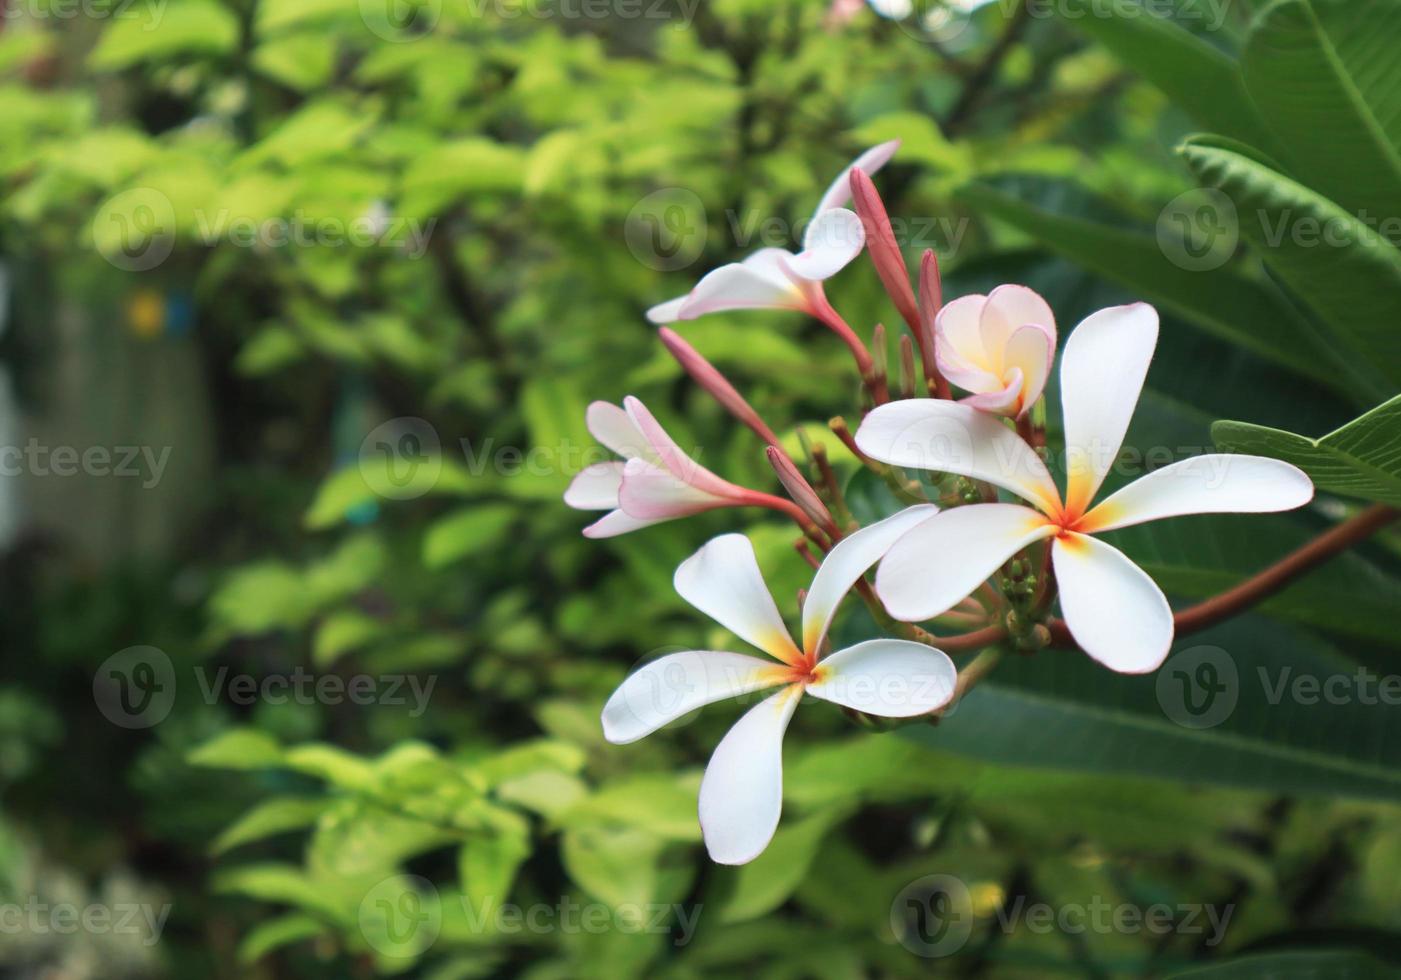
(503, 169)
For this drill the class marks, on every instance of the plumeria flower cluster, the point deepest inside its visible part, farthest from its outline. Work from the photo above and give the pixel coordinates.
(960, 554)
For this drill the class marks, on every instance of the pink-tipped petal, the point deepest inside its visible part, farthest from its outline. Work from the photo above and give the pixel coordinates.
(652, 494)
(663, 450)
(595, 487)
(611, 425)
(1008, 308)
(741, 794)
(945, 558)
(723, 581)
(668, 312)
(1216, 483)
(1006, 401)
(1030, 350)
(1115, 612)
(670, 687)
(614, 523)
(959, 345)
(930, 434)
(1101, 375)
(838, 193)
(847, 562)
(889, 678)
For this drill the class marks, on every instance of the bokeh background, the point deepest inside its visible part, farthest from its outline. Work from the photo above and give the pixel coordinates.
(301, 656)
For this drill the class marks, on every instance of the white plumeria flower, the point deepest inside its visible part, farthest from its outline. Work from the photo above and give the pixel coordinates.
(742, 793)
(999, 347)
(655, 481)
(774, 278)
(1115, 612)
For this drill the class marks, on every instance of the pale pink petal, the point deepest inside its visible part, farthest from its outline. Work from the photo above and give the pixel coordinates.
(949, 555)
(1116, 613)
(890, 678)
(958, 347)
(668, 312)
(650, 493)
(741, 794)
(1004, 401)
(664, 451)
(1031, 350)
(929, 434)
(838, 194)
(723, 581)
(665, 689)
(612, 426)
(1009, 308)
(1217, 483)
(832, 240)
(595, 487)
(846, 563)
(757, 283)
(1101, 375)
(614, 523)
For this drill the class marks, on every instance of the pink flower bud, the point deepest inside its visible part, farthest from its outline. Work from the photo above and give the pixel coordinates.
(880, 242)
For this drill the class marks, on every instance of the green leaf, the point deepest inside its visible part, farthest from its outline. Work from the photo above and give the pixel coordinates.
(1341, 267)
(765, 883)
(1361, 459)
(1220, 301)
(467, 532)
(336, 766)
(1323, 76)
(615, 865)
(281, 883)
(341, 632)
(266, 937)
(664, 805)
(488, 864)
(189, 27)
(238, 748)
(275, 816)
(1198, 76)
(1243, 717)
(1308, 964)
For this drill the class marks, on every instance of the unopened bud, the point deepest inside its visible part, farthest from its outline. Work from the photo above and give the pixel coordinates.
(798, 488)
(931, 301)
(708, 377)
(881, 244)
(907, 366)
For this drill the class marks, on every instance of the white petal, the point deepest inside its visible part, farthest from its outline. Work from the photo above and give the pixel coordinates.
(1005, 401)
(668, 312)
(958, 346)
(847, 562)
(1101, 375)
(669, 687)
(1008, 309)
(617, 522)
(890, 678)
(832, 240)
(741, 794)
(838, 193)
(929, 434)
(650, 493)
(1217, 483)
(756, 283)
(1116, 613)
(945, 558)
(613, 427)
(723, 581)
(595, 487)
(1030, 350)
